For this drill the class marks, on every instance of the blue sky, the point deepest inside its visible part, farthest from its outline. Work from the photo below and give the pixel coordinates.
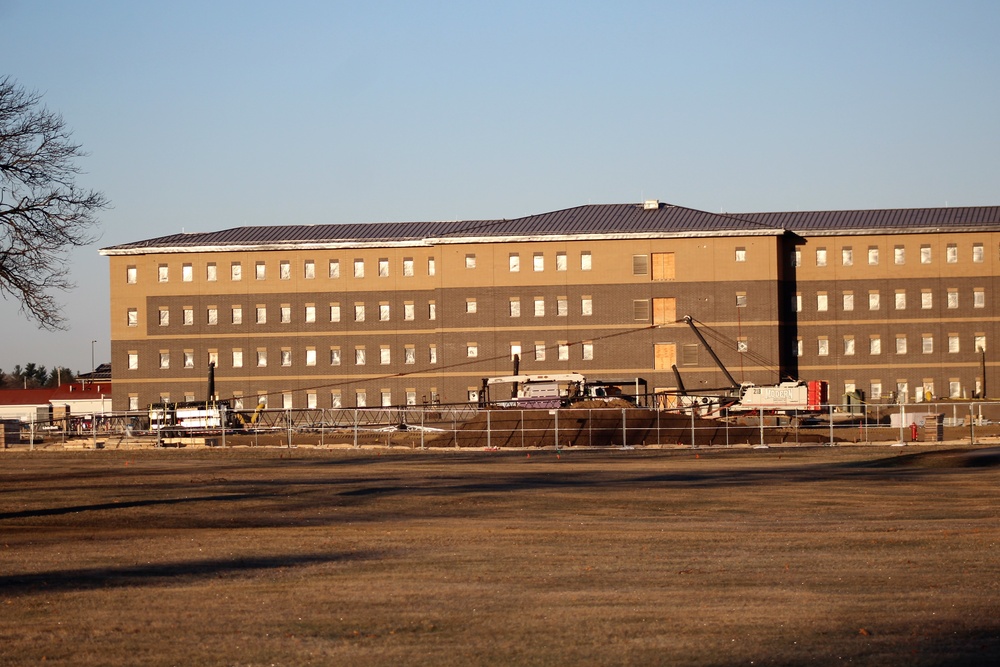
(207, 115)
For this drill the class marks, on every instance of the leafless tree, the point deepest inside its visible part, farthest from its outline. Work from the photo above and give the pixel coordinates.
(43, 214)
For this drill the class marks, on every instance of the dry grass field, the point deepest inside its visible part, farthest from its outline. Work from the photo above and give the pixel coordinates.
(864, 555)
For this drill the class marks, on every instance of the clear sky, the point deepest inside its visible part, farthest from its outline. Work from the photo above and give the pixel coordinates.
(212, 114)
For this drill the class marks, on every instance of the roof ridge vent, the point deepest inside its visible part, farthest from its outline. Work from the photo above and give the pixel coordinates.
(651, 205)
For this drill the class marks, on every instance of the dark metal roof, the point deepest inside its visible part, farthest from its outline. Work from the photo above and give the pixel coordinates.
(595, 219)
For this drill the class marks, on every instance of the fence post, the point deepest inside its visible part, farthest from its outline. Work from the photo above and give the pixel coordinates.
(556, 430)
(761, 426)
(355, 427)
(489, 431)
(421, 428)
(972, 424)
(830, 416)
(693, 444)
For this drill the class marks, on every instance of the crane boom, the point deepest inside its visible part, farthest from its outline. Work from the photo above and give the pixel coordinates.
(718, 362)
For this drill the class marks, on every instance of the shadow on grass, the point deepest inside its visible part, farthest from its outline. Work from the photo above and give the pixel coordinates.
(125, 504)
(161, 574)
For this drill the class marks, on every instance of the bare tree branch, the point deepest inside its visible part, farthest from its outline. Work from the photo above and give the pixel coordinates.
(43, 214)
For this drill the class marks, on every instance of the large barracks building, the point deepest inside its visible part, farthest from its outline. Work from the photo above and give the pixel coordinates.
(898, 304)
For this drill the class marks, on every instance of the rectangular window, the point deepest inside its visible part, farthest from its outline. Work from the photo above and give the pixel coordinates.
(741, 254)
(383, 268)
(286, 400)
(795, 259)
(213, 358)
(132, 317)
(741, 299)
(286, 357)
(188, 316)
(359, 268)
(261, 357)
(359, 312)
(360, 398)
(951, 253)
(384, 355)
(311, 400)
(900, 299)
(334, 356)
(926, 299)
(874, 302)
(334, 270)
(407, 267)
(586, 306)
(237, 358)
(470, 261)
(164, 359)
(236, 272)
(873, 255)
(310, 313)
(133, 402)
(432, 354)
(640, 265)
(133, 360)
(664, 310)
(899, 254)
(586, 261)
(900, 344)
(514, 262)
(409, 355)
(664, 355)
(822, 302)
(563, 351)
(927, 344)
(386, 396)
(664, 266)
(260, 271)
(977, 253)
(310, 356)
(164, 317)
(285, 270)
(797, 348)
(823, 347)
(515, 350)
(847, 256)
(538, 262)
(925, 254)
(689, 354)
(188, 358)
(334, 312)
(360, 357)
(431, 310)
(848, 346)
(539, 306)
(470, 305)
(820, 256)
(640, 309)
(131, 275)
(471, 350)
(515, 307)
(409, 311)
(588, 351)
(431, 266)
(978, 297)
(875, 391)
(336, 398)
(539, 351)
(187, 273)
(411, 397)
(237, 315)
(211, 272)
(383, 312)
(162, 273)
(953, 298)
(980, 342)
(561, 261)
(309, 269)
(562, 306)
(797, 302)
(261, 314)
(954, 346)
(875, 345)
(286, 313)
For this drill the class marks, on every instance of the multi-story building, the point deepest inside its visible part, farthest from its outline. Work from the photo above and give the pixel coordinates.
(889, 302)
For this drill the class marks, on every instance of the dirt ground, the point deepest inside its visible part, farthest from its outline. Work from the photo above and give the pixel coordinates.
(867, 555)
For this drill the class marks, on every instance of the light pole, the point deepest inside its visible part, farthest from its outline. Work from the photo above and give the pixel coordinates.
(93, 368)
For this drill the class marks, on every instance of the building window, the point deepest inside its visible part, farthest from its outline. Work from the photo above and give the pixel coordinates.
(514, 262)
(875, 345)
(164, 317)
(741, 300)
(187, 273)
(431, 266)
(563, 351)
(132, 317)
(470, 261)
(901, 300)
(822, 302)
(432, 354)
(820, 256)
(336, 399)
(874, 302)
(237, 358)
(562, 306)
(561, 261)
(823, 347)
(284, 270)
(977, 253)
(334, 270)
(797, 303)
(586, 261)
(951, 254)
(741, 254)
(640, 265)
(409, 355)
(310, 356)
(286, 357)
(539, 351)
(515, 307)
(640, 309)
(383, 268)
(409, 311)
(260, 271)
(334, 312)
(261, 314)
(237, 315)
(795, 259)
(386, 396)
(360, 357)
(334, 356)
(383, 312)
(539, 306)
(586, 306)
(162, 273)
(538, 262)
(796, 349)
(213, 316)
(515, 350)
(384, 355)
(236, 272)
(925, 254)
(900, 344)
(261, 358)
(213, 358)
(953, 344)
(926, 299)
(470, 306)
(873, 255)
(875, 391)
(359, 268)
(133, 360)
(310, 313)
(286, 400)
(847, 256)
(953, 298)
(848, 346)
(187, 315)
(980, 342)
(588, 351)
(164, 360)
(411, 396)
(311, 400)
(360, 398)
(431, 310)
(407, 267)
(978, 298)
(471, 350)
(927, 344)
(359, 312)
(188, 358)
(133, 402)
(899, 255)
(131, 275)
(309, 269)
